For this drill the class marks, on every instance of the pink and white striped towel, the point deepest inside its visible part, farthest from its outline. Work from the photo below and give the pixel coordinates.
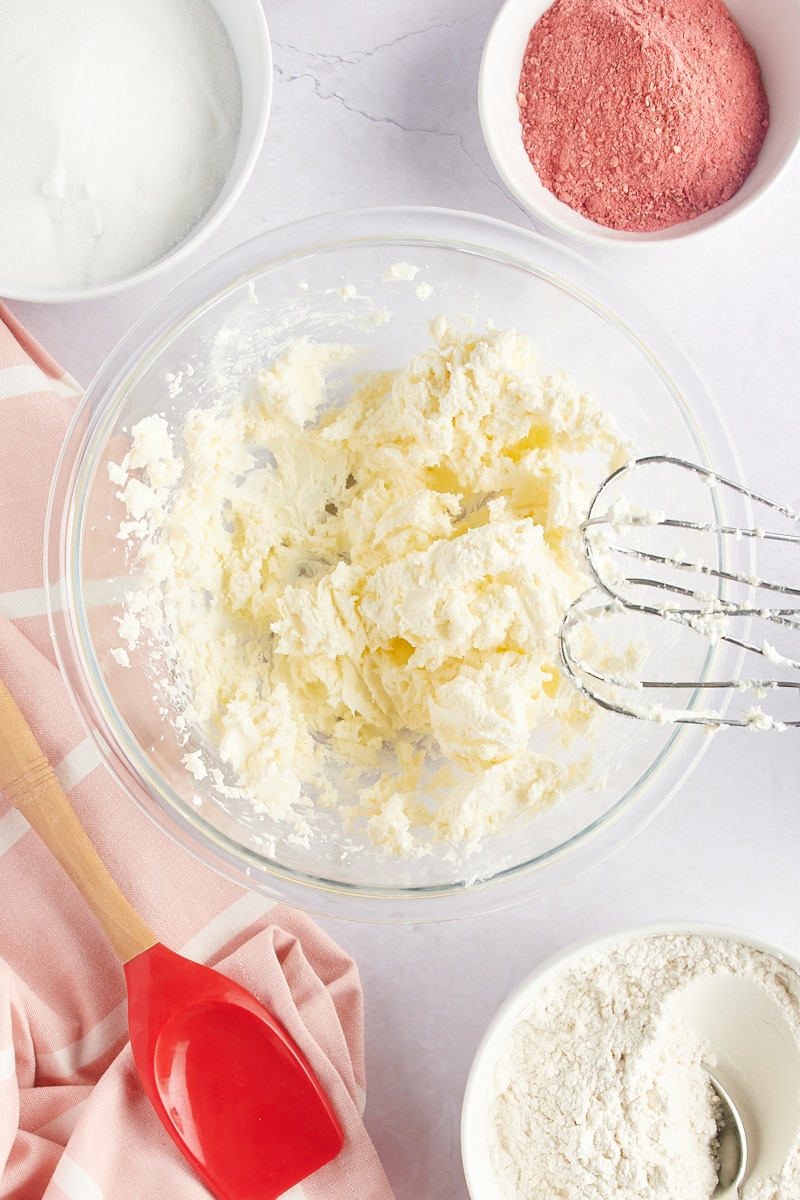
(74, 1121)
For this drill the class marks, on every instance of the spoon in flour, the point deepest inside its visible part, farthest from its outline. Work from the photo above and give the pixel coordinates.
(732, 1146)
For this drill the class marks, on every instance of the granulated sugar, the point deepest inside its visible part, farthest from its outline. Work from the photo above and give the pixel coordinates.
(118, 124)
(603, 1092)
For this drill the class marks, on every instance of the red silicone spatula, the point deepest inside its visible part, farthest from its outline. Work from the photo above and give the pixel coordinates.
(231, 1088)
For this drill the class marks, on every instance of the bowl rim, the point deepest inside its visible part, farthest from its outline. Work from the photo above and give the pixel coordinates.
(231, 271)
(505, 1017)
(493, 76)
(244, 162)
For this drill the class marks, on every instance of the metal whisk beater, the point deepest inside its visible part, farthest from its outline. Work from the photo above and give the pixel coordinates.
(695, 613)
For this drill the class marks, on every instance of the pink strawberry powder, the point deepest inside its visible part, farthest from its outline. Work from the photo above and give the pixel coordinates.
(640, 114)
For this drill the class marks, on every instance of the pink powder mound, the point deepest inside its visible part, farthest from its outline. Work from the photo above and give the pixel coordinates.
(640, 114)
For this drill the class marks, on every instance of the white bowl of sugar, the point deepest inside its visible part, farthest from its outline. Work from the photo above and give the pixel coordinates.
(127, 134)
(592, 1079)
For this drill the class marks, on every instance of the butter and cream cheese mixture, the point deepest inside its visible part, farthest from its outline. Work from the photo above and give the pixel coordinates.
(362, 599)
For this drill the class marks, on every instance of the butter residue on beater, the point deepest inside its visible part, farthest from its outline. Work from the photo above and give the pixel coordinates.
(363, 600)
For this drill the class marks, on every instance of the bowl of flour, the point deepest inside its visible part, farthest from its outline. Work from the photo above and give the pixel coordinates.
(310, 542)
(592, 1080)
(127, 134)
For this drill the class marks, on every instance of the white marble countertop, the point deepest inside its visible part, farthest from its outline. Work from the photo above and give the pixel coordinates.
(376, 104)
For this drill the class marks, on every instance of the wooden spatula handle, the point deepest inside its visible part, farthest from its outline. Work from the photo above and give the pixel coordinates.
(33, 788)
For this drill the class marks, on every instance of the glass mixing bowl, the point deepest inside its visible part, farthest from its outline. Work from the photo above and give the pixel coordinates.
(327, 278)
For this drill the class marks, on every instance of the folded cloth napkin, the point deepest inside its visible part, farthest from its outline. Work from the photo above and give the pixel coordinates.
(74, 1120)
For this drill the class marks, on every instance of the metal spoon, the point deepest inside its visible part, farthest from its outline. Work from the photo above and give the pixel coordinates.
(732, 1146)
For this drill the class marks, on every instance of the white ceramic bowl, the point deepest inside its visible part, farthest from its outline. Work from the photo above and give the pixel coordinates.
(772, 27)
(326, 278)
(756, 1051)
(246, 26)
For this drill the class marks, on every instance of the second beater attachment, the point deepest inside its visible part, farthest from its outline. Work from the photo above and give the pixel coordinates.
(695, 613)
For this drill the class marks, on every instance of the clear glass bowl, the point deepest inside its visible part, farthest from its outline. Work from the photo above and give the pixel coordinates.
(325, 277)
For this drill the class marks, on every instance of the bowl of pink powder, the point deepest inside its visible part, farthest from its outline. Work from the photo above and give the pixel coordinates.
(630, 122)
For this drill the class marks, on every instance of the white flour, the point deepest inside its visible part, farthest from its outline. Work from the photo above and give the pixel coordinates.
(118, 124)
(603, 1093)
